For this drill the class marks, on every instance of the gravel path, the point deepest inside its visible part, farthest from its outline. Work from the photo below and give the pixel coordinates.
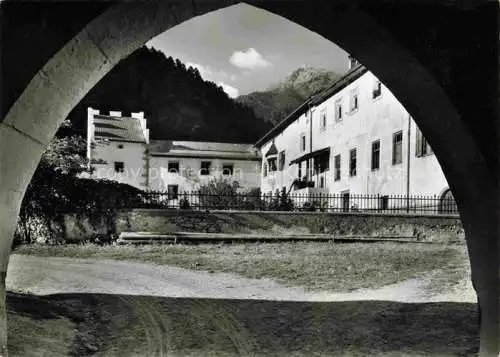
(42, 275)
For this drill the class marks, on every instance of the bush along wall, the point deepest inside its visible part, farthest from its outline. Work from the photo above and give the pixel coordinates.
(74, 205)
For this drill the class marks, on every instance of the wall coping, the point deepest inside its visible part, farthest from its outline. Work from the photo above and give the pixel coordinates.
(354, 214)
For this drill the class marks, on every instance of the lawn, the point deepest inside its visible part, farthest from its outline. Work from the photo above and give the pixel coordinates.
(110, 325)
(313, 265)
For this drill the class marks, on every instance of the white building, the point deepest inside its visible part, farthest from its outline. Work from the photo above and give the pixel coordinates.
(119, 149)
(354, 138)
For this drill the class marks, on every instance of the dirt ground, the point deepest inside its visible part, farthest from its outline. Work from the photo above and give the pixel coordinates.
(85, 307)
(52, 275)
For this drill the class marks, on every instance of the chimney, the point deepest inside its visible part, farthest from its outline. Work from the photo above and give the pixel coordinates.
(139, 115)
(353, 62)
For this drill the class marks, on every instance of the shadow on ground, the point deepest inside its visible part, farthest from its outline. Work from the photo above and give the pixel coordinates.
(125, 325)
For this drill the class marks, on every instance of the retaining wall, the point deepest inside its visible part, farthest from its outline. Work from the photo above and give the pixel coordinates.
(442, 229)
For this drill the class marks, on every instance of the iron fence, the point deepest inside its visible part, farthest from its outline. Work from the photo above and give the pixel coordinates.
(302, 202)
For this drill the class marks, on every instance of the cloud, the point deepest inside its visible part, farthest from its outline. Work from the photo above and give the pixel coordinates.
(231, 91)
(249, 59)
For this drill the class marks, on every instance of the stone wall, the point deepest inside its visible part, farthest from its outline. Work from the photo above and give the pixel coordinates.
(443, 229)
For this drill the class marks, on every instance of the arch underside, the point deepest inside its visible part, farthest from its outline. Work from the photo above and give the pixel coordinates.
(424, 78)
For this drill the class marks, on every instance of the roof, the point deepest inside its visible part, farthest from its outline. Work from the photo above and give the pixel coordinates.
(311, 154)
(272, 150)
(203, 149)
(317, 99)
(118, 128)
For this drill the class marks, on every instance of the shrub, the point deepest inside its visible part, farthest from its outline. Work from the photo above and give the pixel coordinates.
(219, 193)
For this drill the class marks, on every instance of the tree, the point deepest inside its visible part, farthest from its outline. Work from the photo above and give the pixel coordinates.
(60, 164)
(219, 193)
(56, 189)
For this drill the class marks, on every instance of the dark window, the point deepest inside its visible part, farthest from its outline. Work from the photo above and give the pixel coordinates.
(322, 182)
(173, 192)
(377, 89)
(272, 164)
(422, 146)
(205, 168)
(120, 146)
(264, 171)
(397, 148)
(338, 111)
(119, 166)
(173, 167)
(352, 162)
(323, 120)
(376, 155)
(281, 160)
(303, 142)
(354, 101)
(300, 170)
(322, 162)
(337, 167)
(227, 169)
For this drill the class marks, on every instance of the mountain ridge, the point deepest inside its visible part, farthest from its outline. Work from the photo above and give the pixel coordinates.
(277, 101)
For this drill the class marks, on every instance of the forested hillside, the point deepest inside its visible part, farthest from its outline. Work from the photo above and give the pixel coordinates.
(177, 102)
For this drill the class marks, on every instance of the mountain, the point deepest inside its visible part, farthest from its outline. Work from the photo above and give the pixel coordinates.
(177, 102)
(281, 99)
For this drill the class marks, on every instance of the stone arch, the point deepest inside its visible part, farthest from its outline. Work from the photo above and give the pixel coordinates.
(89, 55)
(447, 204)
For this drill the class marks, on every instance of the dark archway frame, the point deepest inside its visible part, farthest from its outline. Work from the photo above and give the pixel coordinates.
(467, 148)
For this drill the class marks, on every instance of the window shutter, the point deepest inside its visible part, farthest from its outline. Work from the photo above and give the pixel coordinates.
(418, 143)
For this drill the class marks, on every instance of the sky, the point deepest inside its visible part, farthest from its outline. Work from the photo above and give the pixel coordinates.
(244, 49)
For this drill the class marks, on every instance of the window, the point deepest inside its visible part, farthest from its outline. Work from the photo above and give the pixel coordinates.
(303, 142)
(272, 164)
(173, 167)
(354, 103)
(322, 182)
(337, 167)
(422, 146)
(323, 120)
(119, 166)
(397, 148)
(377, 89)
(281, 160)
(172, 192)
(120, 146)
(352, 162)
(264, 170)
(227, 169)
(322, 162)
(338, 110)
(375, 155)
(205, 168)
(300, 170)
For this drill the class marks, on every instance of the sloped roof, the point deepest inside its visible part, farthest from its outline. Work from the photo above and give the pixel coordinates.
(118, 128)
(203, 149)
(272, 150)
(317, 99)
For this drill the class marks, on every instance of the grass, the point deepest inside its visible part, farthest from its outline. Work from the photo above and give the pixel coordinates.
(315, 266)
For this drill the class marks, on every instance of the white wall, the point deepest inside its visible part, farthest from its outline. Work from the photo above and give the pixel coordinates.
(289, 141)
(375, 119)
(133, 155)
(245, 172)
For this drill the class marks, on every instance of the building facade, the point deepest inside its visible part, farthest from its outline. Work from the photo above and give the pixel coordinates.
(119, 149)
(353, 138)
